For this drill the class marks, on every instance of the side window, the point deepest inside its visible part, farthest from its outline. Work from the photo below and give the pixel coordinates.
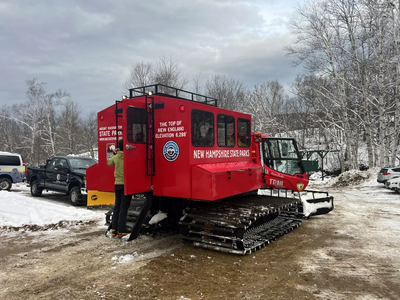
(136, 124)
(202, 128)
(282, 156)
(243, 132)
(64, 163)
(9, 160)
(225, 131)
(55, 162)
(396, 169)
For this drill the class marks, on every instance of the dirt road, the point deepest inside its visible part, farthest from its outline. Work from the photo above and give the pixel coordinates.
(351, 253)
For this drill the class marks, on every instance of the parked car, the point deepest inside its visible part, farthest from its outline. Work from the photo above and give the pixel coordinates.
(388, 173)
(62, 174)
(393, 183)
(12, 169)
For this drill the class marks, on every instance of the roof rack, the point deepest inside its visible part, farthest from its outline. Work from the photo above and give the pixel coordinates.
(164, 90)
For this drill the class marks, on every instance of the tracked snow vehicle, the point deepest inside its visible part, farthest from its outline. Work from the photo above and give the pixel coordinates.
(197, 167)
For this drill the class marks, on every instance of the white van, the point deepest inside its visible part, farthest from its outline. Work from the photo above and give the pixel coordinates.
(12, 169)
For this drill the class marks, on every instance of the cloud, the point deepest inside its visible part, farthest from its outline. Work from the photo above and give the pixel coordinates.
(88, 48)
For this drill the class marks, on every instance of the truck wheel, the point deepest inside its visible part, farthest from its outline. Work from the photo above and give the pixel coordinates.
(75, 196)
(5, 184)
(35, 189)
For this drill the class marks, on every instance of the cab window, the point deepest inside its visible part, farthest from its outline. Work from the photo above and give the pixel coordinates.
(282, 155)
(136, 124)
(225, 130)
(243, 132)
(202, 128)
(55, 163)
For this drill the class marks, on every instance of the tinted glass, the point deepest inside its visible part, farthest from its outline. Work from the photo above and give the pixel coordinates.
(282, 156)
(225, 131)
(243, 132)
(202, 128)
(396, 170)
(81, 163)
(9, 160)
(55, 163)
(383, 171)
(136, 124)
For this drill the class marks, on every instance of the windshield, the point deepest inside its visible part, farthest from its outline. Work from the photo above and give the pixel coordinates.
(282, 155)
(81, 162)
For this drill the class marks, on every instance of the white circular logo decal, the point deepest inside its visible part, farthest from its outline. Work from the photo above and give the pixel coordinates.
(58, 177)
(171, 151)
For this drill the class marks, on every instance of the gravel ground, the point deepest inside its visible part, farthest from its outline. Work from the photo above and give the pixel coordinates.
(350, 253)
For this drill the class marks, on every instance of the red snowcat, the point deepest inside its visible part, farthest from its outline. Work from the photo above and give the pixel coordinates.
(196, 167)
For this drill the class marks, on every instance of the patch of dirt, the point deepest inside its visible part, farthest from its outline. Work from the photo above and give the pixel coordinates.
(343, 255)
(58, 225)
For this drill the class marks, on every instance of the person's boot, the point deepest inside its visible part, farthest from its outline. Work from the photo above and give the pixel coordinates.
(122, 234)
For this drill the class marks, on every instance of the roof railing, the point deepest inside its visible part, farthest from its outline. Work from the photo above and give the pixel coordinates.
(164, 90)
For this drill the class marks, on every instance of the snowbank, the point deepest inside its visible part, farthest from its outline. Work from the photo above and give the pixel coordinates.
(346, 179)
(18, 210)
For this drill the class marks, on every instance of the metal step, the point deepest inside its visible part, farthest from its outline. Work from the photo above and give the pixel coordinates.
(140, 217)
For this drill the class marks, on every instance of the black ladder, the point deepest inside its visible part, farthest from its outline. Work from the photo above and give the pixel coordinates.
(118, 114)
(150, 140)
(137, 214)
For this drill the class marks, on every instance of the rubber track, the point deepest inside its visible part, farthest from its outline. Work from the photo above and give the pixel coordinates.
(240, 226)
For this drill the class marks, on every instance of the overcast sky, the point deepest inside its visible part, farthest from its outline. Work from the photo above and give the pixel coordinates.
(89, 47)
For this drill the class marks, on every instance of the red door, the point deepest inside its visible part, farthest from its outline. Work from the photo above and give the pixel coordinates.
(135, 133)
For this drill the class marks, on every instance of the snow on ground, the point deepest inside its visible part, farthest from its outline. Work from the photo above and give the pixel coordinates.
(367, 225)
(18, 209)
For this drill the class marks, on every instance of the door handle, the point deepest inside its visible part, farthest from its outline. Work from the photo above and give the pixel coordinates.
(129, 147)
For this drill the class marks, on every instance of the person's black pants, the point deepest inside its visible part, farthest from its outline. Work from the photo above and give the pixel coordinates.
(122, 203)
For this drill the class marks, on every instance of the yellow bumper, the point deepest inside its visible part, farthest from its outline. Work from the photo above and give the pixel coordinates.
(99, 199)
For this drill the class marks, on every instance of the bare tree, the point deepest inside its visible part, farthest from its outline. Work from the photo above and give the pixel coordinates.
(231, 93)
(89, 134)
(347, 43)
(165, 70)
(32, 117)
(51, 128)
(142, 74)
(10, 130)
(38, 116)
(70, 123)
(168, 72)
(267, 105)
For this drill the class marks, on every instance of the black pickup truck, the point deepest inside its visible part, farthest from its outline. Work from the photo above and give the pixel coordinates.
(62, 174)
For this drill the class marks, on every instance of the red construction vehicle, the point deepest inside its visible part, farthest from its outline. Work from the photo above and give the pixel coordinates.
(200, 166)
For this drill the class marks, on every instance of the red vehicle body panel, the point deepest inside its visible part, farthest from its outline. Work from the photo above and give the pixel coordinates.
(225, 179)
(135, 165)
(100, 176)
